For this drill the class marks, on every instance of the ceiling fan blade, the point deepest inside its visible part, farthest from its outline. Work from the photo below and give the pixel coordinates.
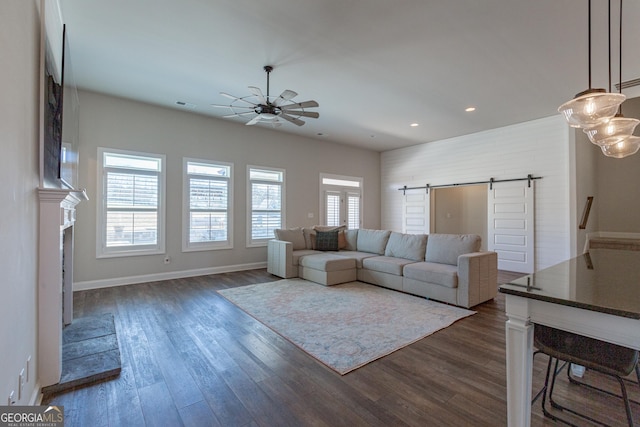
(303, 105)
(235, 98)
(232, 106)
(238, 114)
(253, 121)
(258, 93)
(284, 96)
(311, 114)
(226, 95)
(291, 119)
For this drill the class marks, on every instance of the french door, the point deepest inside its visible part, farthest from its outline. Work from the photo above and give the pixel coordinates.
(342, 208)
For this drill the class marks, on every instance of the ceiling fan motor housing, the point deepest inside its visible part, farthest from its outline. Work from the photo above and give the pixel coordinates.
(267, 110)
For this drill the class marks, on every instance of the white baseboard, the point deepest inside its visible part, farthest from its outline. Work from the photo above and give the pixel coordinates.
(144, 278)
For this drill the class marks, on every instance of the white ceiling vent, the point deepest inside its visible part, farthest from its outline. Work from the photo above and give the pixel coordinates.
(629, 83)
(186, 105)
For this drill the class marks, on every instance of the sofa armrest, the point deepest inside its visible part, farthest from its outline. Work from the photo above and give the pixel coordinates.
(280, 259)
(477, 278)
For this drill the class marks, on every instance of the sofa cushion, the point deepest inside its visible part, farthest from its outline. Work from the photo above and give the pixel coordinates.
(309, 237)
(351, 237)
(431, 272)
(357, 256)
(328, 262)
(446, 248)
(296, 255)
(385, 264)
(409, 246)
(326, 240)
(293, 235)
(373, 241)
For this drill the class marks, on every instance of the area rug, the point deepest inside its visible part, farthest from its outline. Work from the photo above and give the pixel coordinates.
(344, 326)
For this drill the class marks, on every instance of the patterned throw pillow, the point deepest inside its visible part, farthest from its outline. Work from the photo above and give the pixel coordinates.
(327, 240)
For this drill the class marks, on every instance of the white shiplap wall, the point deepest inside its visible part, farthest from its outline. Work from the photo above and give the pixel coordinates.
(540, 147)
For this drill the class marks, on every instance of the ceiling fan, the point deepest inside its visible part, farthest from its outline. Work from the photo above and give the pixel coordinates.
(268, 110)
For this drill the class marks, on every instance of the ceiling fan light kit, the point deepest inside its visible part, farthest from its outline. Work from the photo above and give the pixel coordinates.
(268, 110)
(599, 113)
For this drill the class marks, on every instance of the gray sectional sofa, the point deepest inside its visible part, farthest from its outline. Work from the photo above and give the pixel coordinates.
(444, 267)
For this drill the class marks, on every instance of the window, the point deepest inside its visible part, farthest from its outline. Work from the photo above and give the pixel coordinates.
(131, 203)
(266, 201)
(207, 214)
(341, 200)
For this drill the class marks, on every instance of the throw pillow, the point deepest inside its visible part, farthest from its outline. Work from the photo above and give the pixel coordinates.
(327, 240)
(342, 240)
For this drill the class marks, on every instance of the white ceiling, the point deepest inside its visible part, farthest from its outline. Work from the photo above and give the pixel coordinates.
(374, 66)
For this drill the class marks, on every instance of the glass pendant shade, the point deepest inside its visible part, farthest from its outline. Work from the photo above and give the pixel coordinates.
(591, 108)
(625, 148)
(612, 132)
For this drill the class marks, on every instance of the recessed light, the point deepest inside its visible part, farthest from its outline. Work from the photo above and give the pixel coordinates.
(413, 125)
(470, 109)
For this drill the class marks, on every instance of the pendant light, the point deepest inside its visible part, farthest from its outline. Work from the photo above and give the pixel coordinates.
(618, 129)
(624, 148)
(593, 106)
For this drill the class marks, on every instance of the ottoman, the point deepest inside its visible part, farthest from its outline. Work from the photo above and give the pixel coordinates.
(327, 269)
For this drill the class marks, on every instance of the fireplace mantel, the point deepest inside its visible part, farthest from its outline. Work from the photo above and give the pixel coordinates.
(57, 217)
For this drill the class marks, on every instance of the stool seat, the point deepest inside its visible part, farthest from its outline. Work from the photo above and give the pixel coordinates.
(608, 358)
(599, 356)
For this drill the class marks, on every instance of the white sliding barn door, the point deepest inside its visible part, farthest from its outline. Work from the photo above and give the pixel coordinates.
(511, 225)
(415, 212)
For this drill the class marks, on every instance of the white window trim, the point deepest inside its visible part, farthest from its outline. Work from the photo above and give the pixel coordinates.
(255, 243)
(101, 248)
(338, 188)
(206, 246)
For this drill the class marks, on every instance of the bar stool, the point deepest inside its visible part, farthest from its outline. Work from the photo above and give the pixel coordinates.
(599, 356)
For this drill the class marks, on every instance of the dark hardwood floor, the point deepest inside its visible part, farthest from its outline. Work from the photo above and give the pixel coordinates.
(190, 357)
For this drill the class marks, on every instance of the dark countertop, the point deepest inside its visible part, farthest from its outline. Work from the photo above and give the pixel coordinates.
(604, 280)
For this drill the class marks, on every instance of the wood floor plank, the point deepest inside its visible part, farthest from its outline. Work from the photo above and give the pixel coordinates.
(191, 357)
(198, 414)
(158, 406)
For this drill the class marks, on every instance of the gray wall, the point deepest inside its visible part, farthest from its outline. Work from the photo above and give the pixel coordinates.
(614, 184)
(586, 155)
(117, 123)
(618, 184)
(461, 210)
(19, 118)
